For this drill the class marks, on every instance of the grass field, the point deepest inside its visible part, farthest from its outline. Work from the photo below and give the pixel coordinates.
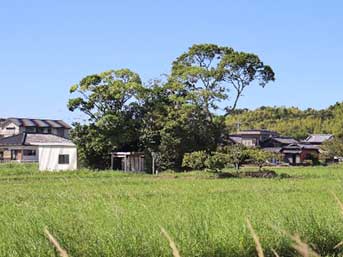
(116, 214)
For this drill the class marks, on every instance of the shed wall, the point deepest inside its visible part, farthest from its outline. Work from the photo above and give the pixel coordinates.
(49, 155)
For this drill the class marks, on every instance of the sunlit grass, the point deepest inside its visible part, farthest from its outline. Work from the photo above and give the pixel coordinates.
(116, 214)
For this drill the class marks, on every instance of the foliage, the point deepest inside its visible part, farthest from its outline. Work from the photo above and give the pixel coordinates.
(235, 154)
(290, 121)
(332, 148)
(170, 117)
(208, 73)
(195, 160)
(109, 101)
(118, 214)
(259, 156)
(216, 161)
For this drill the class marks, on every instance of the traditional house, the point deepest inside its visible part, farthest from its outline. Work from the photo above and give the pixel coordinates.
(15, 126)
(292, 151)
(253, 138)
(275, 144)
(52, 152)
(299, 154)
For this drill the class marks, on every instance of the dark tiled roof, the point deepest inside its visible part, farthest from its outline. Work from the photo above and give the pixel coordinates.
(285, 140)
(299, 147)
(13, 140)
(34, 139)
(40, 123)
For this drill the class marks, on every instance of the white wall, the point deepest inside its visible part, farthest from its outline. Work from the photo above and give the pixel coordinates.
(4, 131)
(48, 157)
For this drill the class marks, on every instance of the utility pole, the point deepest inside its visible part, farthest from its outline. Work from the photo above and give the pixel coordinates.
(153, 156)
(238, 126)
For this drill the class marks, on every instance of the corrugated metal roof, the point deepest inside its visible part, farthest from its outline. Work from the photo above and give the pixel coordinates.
(40, 123)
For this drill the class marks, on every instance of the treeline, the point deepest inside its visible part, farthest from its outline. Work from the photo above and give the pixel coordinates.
(169, 117)
(289, 121)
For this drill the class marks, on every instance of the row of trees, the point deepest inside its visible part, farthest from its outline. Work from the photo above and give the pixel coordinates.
(290, 121)
(224, 157)
(170, 117)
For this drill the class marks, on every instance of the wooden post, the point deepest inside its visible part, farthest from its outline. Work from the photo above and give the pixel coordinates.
(153, 163)
(111, 161)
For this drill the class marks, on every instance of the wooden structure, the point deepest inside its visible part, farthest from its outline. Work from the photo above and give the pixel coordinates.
(297, 154)
(127, 161)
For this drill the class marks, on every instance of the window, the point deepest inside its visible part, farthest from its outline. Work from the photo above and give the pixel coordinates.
(30, 129)
(10, 128)
(63, 159)
(29, 152)
(249, 142)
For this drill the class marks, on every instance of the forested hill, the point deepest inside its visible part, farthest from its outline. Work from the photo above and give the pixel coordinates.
(290, 121)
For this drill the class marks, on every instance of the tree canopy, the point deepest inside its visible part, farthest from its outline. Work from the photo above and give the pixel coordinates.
(168, 117)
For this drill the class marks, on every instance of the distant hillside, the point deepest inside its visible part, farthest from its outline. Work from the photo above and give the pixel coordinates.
(290, 121)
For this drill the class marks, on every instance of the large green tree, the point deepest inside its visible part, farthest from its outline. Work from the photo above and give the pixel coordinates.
(201, 80)
(109, 100)
(211, 74)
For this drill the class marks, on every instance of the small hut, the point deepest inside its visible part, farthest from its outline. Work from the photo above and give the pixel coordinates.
(127, 161)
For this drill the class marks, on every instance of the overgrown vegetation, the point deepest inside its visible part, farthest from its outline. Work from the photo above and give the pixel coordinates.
(169, 117)
(118, 214)
(290, 121)
(224, 157)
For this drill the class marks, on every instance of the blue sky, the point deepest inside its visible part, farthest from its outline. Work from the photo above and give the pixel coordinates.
(46, 46)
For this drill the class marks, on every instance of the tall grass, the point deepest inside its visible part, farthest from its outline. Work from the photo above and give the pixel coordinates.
(116, 214)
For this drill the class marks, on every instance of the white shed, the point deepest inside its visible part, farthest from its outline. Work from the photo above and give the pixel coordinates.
(53, 153)
(57, 157)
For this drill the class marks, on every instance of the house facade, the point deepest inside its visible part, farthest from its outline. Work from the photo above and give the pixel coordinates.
(52, 152)
(297, 154)
(15, 126)
(292, 151)
(253, 138)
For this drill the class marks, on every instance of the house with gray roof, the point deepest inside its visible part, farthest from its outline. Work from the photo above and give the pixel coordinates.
(50, 151)
(253, 137)
(292, 151)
